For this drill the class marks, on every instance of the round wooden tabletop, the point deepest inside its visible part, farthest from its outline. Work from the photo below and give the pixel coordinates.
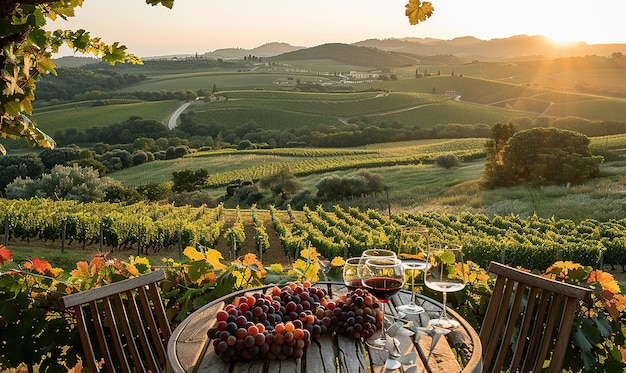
(190, 350)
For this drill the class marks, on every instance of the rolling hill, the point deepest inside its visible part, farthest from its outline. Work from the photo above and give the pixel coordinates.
(351, 55)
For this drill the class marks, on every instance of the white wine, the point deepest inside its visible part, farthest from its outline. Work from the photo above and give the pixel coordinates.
(444, 286)
(414, 264)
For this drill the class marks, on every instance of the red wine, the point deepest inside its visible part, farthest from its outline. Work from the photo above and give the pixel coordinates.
(383, 288)
(353, 284)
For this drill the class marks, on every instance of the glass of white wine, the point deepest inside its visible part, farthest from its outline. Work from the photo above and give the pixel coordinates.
(445, 274)
(413, 256)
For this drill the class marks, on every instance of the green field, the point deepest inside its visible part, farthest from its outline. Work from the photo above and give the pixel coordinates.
(81, 117)
(412, 185)
(419, 103)
(486, 93)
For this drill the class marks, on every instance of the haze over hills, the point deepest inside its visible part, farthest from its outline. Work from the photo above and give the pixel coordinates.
(464, 49)
(513, 48)
(469, 47)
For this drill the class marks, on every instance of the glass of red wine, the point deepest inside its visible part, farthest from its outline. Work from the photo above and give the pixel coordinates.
(383, 277)
(351, 277)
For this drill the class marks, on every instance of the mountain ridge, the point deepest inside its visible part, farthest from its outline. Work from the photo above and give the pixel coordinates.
(466, 48)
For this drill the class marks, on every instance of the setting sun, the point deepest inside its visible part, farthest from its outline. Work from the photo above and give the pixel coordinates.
(561, 39)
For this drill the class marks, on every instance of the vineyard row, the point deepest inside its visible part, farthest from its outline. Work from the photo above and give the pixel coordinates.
(531, 242)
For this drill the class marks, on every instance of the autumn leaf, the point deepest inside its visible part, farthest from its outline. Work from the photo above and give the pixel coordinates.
(82, 270)
(12, 82)
(193, 254)
(5, 255)
(418, 11)
(337, 261)
(213, 257)
(40, 265)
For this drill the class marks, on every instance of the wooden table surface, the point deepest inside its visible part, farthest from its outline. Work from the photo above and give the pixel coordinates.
(458, 351)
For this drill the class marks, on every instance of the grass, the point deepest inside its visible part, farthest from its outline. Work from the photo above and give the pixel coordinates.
(417, 187)
(73, 254)
(81, 118)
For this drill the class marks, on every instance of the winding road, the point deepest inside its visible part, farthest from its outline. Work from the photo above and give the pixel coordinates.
(171, 124)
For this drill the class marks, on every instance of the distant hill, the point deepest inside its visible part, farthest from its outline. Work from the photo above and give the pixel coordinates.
(465, 49)
(512, 48)
(265, 50)
(351, 55)
(71, 61)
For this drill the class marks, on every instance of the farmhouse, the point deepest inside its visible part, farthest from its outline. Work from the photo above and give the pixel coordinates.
(289, 82)
(363, 75)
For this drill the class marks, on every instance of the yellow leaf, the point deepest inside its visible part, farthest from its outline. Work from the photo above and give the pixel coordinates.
(276, 268)
(11, 80)
(213, 257)
(193, 254)
(418, 11)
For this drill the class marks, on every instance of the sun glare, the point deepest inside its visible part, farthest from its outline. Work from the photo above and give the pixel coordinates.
(561, 38)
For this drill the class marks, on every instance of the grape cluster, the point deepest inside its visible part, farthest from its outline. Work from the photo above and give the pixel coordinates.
(357, 315)
(282, 323)
(271, 326)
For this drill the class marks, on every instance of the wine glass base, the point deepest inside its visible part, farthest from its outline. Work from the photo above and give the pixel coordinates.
(392, 364)
(444, 323)
(378, 343)
(410, 309)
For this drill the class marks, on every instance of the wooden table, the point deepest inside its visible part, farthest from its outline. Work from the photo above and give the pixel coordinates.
(458, 351)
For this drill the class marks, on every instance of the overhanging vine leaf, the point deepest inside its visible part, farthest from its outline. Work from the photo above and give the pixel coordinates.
(418, 11)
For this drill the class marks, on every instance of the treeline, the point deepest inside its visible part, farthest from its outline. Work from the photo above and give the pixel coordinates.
(98, 81)
(591, 128)
(71, 82)
(358, 132)
(175, 63)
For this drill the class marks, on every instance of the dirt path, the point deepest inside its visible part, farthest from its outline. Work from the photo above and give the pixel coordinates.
(274, 254)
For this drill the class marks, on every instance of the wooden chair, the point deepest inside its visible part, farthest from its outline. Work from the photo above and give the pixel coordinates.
(123, 324)
(528, 321)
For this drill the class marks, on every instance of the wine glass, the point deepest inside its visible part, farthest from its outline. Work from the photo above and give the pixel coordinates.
(351, 277)
(413, 259)
(445, 274)
(379, 253)
(383, 277)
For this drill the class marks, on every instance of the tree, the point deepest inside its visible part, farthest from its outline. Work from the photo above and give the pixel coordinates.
(63, 182)
(547, 155)
(283, 184)
(189, 180)
(27, 165)
(447, 161)
(26, 50)
(494, 147)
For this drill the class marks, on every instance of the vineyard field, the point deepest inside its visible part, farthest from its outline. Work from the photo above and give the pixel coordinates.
(532, 242)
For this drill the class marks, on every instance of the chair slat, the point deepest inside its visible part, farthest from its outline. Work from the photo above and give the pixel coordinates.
(116, 338)
(527, 320)
(140, 329)
(149, 318)
(512, 317)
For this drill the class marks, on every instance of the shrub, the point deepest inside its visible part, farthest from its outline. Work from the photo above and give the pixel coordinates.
(447, 161)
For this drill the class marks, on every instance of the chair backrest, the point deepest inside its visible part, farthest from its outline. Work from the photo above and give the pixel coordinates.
(123, 323)
(528, 321)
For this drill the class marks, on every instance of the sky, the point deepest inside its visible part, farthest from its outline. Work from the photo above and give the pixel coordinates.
(200, 26)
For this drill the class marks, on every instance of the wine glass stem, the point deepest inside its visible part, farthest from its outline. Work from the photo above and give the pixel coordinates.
(413, 286)
(382, 308)
(444, 315)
